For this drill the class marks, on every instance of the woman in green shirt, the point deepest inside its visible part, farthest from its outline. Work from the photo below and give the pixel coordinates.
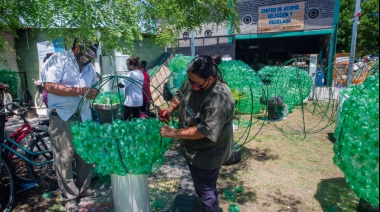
(206, 110)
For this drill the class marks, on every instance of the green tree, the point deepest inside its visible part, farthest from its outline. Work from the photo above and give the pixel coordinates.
(117, 24)
(367, 41)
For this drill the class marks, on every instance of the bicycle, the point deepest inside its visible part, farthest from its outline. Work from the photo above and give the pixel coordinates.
(38, 97)
(37, 142)
(25, 98)
(37, 159)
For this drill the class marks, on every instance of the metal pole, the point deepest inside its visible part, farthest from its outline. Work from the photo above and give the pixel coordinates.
(192, 34)
(353, 42)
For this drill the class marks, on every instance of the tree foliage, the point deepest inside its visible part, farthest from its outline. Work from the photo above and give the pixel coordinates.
(367, 41)
(112, 22)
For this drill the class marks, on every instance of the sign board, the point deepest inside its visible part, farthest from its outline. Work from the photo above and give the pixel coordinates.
(341, 67)
(281, 17)
(342, 59)
(46, 47)
(59, 45)
(43, 48)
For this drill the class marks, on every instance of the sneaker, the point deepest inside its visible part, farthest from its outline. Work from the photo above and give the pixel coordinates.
(89, 193)
(71, 206)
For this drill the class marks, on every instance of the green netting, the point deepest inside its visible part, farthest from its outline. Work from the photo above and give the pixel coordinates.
(9, 77)
(153, 71)
(291, 83)
(375, 68)
(357, 133)
(243, 81)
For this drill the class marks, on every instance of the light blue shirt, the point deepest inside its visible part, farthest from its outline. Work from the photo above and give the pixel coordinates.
(62, 68)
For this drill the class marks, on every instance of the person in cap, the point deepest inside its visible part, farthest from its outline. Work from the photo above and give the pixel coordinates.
(68, 77)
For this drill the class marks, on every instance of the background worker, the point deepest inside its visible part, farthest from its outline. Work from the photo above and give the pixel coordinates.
(147, 94)
(133, 84)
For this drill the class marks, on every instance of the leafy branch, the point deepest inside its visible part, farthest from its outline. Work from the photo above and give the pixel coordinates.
(116, 24)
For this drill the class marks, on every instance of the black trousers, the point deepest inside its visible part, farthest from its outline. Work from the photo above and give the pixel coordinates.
(145, 107)
(131, 112)
(205, 185)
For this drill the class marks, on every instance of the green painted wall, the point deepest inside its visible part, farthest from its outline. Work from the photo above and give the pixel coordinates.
(27, 57)
(149, 52)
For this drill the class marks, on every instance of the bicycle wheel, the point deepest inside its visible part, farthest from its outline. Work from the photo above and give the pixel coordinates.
(43, 172)
(7, 187)
(26, 98)
(17, 164)
(38, 100)
(20, 171)
(8, 99)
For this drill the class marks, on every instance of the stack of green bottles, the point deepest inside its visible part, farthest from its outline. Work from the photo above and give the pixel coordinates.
(240, 77)
(121, 147)
(291, 83)
(178, 72)
(357, 139)
(105, 97)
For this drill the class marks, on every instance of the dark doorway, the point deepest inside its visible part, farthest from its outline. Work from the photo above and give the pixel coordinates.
(277, 57)
(260, 52)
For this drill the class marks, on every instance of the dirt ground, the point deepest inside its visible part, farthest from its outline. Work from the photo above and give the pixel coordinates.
(287, 165)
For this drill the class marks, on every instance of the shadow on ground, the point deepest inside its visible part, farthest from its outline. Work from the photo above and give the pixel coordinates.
(331, 137)
(335, 195)
(286, 202)
(262, 154)
(232, 191)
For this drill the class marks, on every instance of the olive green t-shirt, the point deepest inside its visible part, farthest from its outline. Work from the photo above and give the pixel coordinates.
(212, 112)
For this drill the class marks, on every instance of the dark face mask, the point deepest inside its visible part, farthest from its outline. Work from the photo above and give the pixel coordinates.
(83, 59)
(197, 87)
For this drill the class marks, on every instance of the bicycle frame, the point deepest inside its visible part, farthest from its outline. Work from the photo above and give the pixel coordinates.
(12, 145)
(39, 85)
(27, 151)
(19, 134)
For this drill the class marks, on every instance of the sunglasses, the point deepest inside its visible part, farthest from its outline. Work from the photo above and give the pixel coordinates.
(195, 85)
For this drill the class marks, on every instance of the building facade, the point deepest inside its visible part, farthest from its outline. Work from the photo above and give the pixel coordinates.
(272, 32)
